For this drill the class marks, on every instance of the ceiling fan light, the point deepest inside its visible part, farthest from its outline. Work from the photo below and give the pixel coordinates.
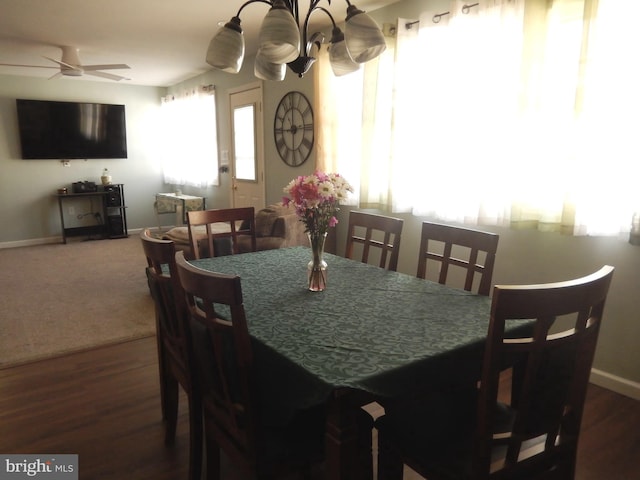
(279, 37)
(265, 70)
(341, 62)
(363, 37)
(70, 56)
(226, 49)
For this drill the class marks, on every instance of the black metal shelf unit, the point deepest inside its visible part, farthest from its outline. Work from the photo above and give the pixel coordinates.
(113, 220)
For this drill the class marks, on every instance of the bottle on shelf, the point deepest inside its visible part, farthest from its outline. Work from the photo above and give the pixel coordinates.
(106, 177)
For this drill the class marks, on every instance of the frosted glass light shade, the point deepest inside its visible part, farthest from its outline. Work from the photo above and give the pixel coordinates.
(266, 70)
(226, 49)
(363, 37)
(279, 37)
(341, 62)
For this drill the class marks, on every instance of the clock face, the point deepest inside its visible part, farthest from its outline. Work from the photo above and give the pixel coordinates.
(293, 129)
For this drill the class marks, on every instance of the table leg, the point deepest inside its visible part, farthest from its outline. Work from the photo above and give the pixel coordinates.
(348, 439)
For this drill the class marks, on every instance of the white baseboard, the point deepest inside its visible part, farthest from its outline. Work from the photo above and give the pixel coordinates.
(31, 242)
(44, 241)
(616, 384)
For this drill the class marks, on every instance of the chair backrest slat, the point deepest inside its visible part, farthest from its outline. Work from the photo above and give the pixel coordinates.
(234, 223)
(473, 241)
(225, 359)
(551, 371)
(167, 294)
(375, 226)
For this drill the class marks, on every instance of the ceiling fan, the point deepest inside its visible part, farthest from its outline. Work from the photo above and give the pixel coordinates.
(70, 66)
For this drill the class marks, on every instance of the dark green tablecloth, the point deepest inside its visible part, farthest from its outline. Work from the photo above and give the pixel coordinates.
(374, 330)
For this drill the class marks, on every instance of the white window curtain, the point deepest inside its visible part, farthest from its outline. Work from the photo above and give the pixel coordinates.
(190, 147)
(512, 112)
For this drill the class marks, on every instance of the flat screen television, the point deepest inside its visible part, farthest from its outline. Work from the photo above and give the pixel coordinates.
(71, 130)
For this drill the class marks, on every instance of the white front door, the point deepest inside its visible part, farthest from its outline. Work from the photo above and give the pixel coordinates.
(247, 138)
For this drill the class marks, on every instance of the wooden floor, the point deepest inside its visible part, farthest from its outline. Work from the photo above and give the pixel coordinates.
(104, 406)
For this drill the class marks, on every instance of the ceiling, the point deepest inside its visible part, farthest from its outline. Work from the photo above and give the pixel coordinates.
(163, 41)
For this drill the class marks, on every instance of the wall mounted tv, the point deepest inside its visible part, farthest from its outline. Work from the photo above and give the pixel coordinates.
(71, 130)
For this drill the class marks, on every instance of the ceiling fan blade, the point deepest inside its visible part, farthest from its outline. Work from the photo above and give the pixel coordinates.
(70, 66)
(62, 64)
(116, 66)
(110, 76)
(19, 65)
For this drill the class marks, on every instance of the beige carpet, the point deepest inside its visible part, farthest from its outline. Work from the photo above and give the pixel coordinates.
(58, 298)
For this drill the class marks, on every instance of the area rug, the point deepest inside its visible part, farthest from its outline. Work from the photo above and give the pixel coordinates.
(61, 298)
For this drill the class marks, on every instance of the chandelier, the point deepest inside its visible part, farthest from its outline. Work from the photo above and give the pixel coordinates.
(283, 41)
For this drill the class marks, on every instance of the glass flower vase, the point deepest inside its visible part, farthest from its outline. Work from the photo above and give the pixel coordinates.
(317, 267)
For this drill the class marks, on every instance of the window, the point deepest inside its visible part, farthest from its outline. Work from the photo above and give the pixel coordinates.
(190, 147)
(244, 145)
(518, 112)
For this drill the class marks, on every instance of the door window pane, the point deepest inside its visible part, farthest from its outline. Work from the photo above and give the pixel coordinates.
(244, 143)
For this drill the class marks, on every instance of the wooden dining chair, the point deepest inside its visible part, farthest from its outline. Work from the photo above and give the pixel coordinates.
(534, 433)
(222, 225)
(375, 231)
(173, 339)
(230, 397)
(475, 253)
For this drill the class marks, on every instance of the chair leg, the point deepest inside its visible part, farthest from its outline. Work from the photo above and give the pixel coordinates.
(306, 473)
(390, 466)
(195, 437)
(161, 371)
(213, 457)
(567, 469)
(171, 408)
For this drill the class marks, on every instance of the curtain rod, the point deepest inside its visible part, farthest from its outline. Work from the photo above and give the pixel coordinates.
(466, 8)
(436, 18)
(188, 92)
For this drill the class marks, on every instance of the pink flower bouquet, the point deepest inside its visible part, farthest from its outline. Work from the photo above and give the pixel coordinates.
(316, 199)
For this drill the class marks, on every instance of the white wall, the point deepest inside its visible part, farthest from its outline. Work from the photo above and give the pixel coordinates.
(534, 257)
(277, 173)
(28, 209)
(526, 257)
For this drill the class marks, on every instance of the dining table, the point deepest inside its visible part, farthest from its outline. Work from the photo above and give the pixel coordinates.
(371, 334)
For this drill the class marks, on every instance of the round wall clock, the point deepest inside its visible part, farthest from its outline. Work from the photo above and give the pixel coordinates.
(293, 128)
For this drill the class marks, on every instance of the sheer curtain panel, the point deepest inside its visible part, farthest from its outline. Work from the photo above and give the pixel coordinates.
(507, 112)
(190, 147)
